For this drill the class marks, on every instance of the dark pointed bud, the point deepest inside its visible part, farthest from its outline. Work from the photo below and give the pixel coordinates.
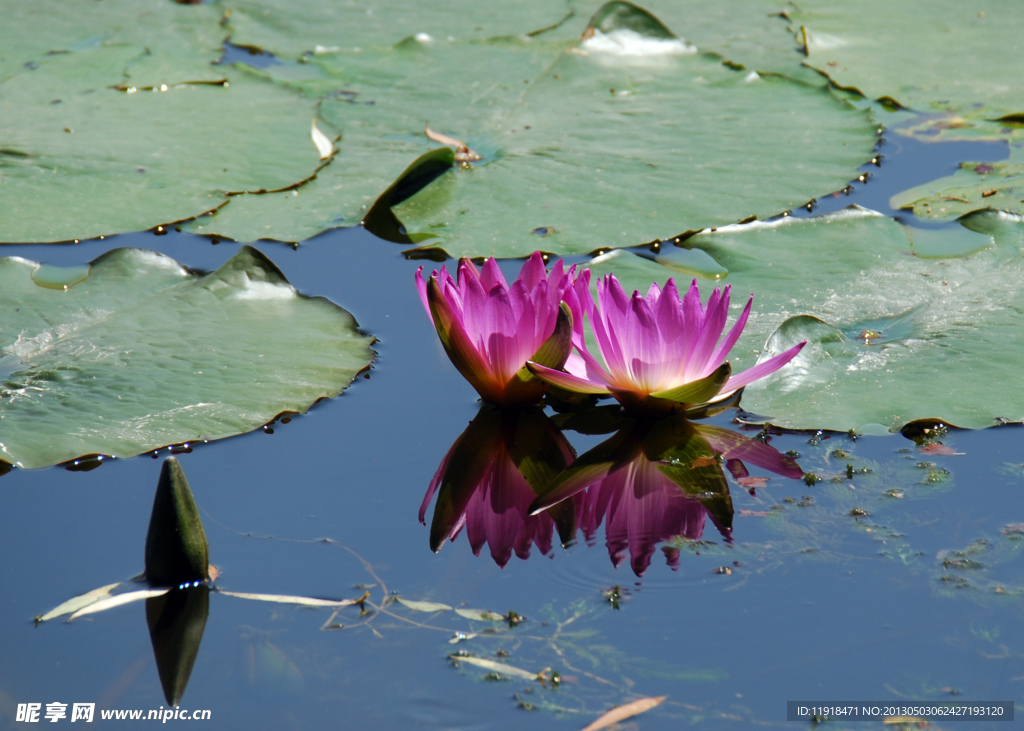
(176, 548)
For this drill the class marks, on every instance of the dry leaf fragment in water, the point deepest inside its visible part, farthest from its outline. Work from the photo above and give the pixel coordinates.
(481, 614)
(323, 143)
(117, 600)
(287, 599)
(502, 669)
(74, 604)
(623, 712)
(462, 151)
(423, 606)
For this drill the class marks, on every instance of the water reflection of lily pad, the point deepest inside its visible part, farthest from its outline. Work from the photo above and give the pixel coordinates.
(850, 270)
(145, 353)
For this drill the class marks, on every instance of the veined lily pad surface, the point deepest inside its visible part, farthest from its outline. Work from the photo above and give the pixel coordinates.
(123, 124)
(897, 330)
(587, 136)
(135, 352)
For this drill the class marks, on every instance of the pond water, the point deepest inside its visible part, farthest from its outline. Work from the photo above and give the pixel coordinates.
(900, 583)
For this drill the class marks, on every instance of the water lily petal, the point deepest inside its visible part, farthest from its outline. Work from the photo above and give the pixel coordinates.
(421, 287)
(609, 324)
(761, 370)
(533, 271)
(457, 344)
(693, 323)
(699, 363)
(491, 275)
(722, 351)
(642, 345)
(474, 300)
(587, 366)
(580, 301)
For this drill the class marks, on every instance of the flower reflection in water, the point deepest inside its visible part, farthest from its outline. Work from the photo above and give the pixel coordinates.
(642, 507)
(654, 481)
(491, 475)
(510, 480)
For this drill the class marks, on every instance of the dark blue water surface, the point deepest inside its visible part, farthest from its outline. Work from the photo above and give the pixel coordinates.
(819, 604)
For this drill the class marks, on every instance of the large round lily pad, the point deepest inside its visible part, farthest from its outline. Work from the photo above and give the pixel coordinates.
(584, 142)
(138, 352)
(607, 151)
(893, 336)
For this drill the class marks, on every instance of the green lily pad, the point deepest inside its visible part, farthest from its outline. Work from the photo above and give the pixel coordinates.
(144, 353)
(605, 152)
(891, 335)
(1005, 228)
(976, 185)
(934, 55)
(82, 159)
(324, 27)
(951, 242)
(37, 33)
(581, 147)
(749, 35)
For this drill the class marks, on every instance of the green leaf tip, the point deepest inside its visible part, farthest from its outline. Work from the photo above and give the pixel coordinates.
(176, 547)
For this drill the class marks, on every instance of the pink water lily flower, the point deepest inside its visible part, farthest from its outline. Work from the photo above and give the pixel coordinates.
(662, 353)
(490, 329)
